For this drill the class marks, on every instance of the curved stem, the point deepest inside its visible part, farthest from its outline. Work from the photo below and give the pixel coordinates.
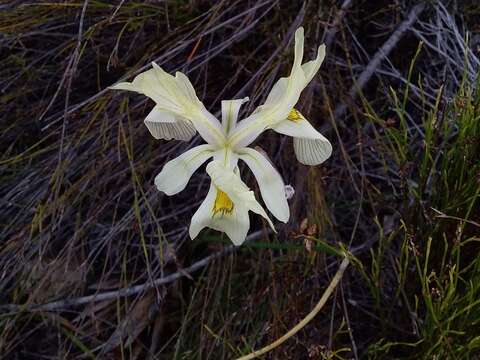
(333, 284)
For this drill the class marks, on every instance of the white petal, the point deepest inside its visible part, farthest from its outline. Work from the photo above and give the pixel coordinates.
(235, 224)
(282, 98)
(275, 95)
(180, 91)
(226, 179)
(248, 199)
(270, 182)
(163, 125)
(230, 109)
(311, 68)
(187, 87)
(123, 86)
(227, 157)
(300, 128)
(286, 91)
(175, 174)
(177, 90)
(149, 83)
(208, 127)
(299, 41)
(312, 151)
(231, 184)
(311, 147)
(203, 215)
(176, 96)
(248, 130)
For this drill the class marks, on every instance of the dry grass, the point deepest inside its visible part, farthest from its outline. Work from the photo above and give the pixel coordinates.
(79, 214)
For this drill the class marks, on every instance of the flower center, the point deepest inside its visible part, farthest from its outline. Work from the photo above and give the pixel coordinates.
(222, 203)
(294, 115)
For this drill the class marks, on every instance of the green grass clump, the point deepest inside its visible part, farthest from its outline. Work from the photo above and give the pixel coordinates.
(435, 290)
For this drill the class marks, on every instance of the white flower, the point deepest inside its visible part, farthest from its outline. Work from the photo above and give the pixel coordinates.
(178, 114)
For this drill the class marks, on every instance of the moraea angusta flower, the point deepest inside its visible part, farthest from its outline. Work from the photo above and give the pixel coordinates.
(179, 114)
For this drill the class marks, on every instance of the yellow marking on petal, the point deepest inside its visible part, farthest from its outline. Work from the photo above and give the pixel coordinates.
(222, 203)
(295, 115)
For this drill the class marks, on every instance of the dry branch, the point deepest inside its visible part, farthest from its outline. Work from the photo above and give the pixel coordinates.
(379, 56)
(127, 291)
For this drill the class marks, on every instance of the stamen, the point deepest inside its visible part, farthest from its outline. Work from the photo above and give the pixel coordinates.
(222, 203)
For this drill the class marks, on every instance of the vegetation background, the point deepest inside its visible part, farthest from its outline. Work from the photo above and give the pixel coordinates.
(88, 246)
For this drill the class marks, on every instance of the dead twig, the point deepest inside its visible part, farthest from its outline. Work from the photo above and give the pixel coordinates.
(127, 291)
(326, 295)
(123, 292)
(332, 31)
(379, 56)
